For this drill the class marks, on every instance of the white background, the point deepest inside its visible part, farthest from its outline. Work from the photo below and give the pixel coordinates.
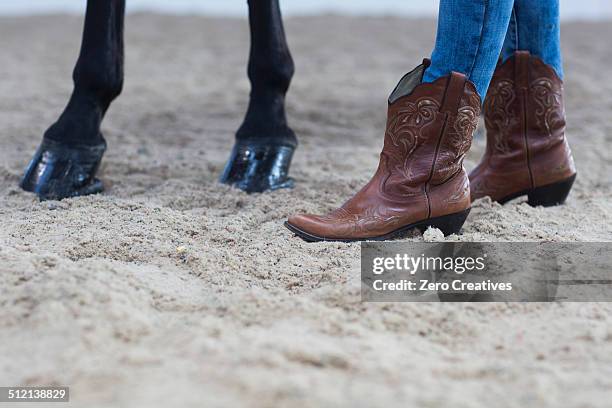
(571, 9)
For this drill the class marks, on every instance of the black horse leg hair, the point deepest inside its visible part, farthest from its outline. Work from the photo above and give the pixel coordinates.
(72, 148)
(265, 144)
(270, 71)
(98, 75)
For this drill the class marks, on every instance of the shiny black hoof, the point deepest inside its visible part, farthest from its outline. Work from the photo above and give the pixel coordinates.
(61, 170)
(257, 167)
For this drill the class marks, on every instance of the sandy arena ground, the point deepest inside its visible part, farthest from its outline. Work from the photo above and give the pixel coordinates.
(94, 293)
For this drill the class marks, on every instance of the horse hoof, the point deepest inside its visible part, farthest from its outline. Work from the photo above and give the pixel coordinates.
(255, 167)
(60, 170)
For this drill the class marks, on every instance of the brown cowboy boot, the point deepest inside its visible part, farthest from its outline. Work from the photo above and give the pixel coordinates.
(527, 153)
(420, 180)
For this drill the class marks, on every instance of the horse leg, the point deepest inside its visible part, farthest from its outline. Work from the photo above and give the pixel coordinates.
(69, 156)
(265, 144)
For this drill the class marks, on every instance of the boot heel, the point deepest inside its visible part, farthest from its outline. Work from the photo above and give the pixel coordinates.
(552, 194)
(448, 224)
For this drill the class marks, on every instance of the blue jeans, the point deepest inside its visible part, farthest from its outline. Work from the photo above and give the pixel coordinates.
(472, 34)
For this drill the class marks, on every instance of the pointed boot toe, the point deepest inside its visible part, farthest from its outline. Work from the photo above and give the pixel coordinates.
(309, 227)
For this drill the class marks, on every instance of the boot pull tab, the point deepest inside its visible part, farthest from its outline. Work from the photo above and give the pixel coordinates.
(454, 91)
(521, 69)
